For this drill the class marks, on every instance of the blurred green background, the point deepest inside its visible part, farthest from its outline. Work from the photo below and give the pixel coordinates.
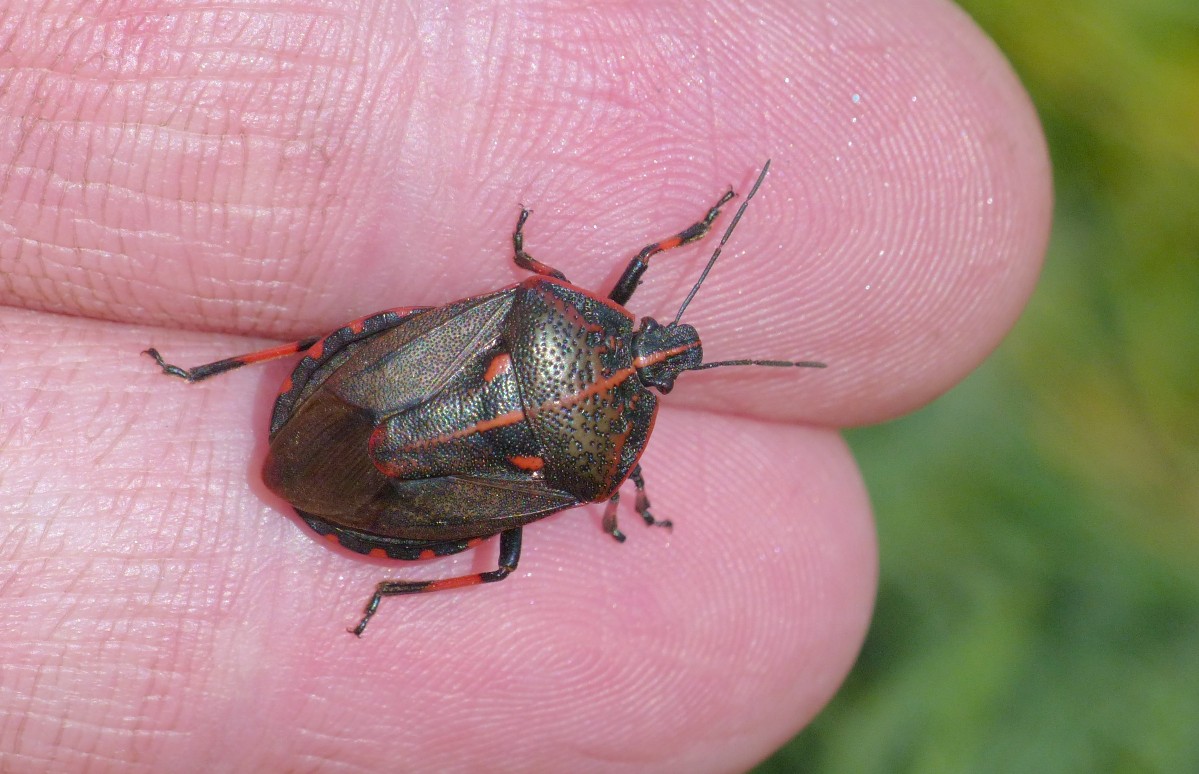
(1039, 525)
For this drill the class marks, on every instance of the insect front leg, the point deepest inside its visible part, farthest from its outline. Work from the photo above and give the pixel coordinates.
(641, 505)
(509, 557)
(228, 364)
(623, 290)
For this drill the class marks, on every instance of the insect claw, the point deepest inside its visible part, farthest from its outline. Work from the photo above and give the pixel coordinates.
(167, 368)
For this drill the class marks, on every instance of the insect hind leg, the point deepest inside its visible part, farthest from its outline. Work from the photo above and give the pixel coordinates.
(509, 557)
(207, 370)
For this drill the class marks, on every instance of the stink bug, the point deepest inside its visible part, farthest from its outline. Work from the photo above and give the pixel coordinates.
(419, 432)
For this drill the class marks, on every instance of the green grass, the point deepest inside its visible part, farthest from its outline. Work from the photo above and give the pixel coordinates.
(1039, 525)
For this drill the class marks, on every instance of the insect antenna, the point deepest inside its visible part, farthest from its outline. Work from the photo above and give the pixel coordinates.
(704, 275)
(770, 363)
(723, 240)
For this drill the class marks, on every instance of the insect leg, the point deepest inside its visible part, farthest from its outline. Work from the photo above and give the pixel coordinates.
(509, 556)
(642, 502)
(623, 290)
(228, 364)
(641, 505)
(609, 522)
(523, 259)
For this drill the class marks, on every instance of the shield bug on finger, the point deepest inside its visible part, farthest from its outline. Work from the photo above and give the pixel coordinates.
(421, 431)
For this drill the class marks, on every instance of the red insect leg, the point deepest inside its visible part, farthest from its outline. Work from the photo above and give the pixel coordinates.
(509, 557)
(623, 290)
(228, 364)
(523, 259)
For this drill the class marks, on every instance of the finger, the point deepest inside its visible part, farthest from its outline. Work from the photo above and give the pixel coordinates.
(896, 240)
(271, 295)
(145, 559)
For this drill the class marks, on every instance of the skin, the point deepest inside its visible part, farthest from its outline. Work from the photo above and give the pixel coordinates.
(208, 183)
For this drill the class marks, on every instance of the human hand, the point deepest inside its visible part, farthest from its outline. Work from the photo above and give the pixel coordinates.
(271, 173)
